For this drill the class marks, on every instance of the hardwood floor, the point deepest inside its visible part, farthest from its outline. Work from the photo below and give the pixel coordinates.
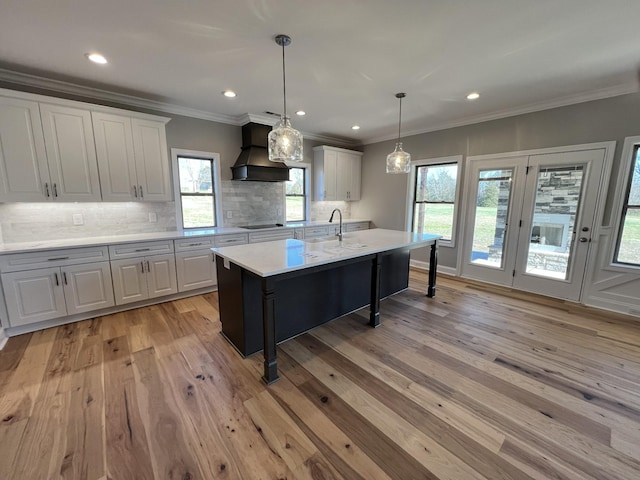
(473, 384)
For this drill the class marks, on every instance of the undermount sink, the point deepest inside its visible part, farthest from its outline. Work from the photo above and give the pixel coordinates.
(321, 239)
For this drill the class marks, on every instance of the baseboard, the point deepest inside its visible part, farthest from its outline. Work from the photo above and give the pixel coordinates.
(441, 269)
(3, 338)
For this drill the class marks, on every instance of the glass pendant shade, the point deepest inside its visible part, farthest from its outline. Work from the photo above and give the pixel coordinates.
(399, 161)
(285, 142)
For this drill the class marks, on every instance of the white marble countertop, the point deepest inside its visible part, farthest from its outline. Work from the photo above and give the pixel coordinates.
(290, 255)
(39, 245)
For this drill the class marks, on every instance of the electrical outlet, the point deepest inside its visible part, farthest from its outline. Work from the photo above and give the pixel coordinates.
(153, 217)
(279, 211)
(77, 219)
(229, 214)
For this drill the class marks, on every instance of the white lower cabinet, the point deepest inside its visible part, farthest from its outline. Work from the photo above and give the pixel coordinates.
(140, 278)
(196, 269)
(35, 295)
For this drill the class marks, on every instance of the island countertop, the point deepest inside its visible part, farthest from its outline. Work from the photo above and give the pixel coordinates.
(282, 256)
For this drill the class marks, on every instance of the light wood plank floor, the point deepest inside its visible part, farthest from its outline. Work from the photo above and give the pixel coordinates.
(473, 384)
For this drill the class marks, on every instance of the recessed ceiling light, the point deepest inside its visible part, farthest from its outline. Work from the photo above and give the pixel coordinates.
(96, 58)
(473, 96)
(355, 127)
(229, 93)
(301, 113)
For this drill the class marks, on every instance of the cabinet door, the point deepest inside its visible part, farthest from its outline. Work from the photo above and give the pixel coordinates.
(348, 177)
(87, 287)
(152, 161)
(23, 160)
(355, 174)
(195, 269)
(161, 275)
(129, 280)
(33, 296)
(325, 172)
(116, 162)
(71, 153)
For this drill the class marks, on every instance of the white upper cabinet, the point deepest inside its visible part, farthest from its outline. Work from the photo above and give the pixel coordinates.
(337, 173)
(68, 137)
(23, 159)
(56, 149)
(132, 158)
(152, 160)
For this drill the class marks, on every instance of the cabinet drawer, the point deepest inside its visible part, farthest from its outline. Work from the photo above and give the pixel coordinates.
(234, 239)
(352, 227)
(271, 235)
(196, 243)
(315, 232)
(129, 250)
(52, 258)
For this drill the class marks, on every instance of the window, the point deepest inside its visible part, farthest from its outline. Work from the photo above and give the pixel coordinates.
(196, 183)
(628, 244)
(435, 185)
(296, 195)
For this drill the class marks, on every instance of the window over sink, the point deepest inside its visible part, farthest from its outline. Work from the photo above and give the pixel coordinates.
(196, 179)
(296, 194)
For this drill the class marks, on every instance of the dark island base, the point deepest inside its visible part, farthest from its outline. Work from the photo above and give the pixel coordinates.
(304, 299)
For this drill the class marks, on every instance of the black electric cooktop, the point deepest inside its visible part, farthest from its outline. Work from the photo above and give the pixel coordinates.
(258, 227)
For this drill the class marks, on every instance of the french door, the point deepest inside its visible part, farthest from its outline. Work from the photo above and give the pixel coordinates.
(529, 220)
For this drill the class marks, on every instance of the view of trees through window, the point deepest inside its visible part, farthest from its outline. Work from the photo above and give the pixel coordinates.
(628, 250)
(295, 195)
(196, 192)
(435, 194)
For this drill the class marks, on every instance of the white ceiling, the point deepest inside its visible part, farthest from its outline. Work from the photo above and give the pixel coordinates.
(347, 60)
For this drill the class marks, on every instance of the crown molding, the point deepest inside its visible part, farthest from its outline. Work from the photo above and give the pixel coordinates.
(71, 88)
(101, 94)
(617, 90)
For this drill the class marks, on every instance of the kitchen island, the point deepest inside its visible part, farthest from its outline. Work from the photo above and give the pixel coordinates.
(277, 290)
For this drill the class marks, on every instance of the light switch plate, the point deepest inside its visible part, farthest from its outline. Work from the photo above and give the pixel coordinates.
(77, 219)
(153, 217)
(229, 214)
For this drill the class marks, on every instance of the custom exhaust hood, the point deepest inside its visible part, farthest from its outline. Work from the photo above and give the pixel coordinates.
(253, 163)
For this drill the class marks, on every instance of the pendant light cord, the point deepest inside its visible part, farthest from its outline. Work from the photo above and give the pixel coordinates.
(399, 119)
(284, 82)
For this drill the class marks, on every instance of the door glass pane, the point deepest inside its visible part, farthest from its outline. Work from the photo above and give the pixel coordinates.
(557, 197)
(492, 211)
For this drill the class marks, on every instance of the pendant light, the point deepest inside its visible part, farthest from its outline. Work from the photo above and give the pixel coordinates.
(399, 161)
(285, 142)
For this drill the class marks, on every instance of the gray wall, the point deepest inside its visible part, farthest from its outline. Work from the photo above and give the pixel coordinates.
(384, 196)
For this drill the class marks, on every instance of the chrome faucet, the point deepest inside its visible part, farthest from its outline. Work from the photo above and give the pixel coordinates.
(339, 234)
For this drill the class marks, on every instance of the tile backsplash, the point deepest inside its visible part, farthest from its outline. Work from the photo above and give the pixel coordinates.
(248, 202)
(24, 222)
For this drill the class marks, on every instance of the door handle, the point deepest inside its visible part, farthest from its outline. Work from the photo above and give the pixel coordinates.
(57, 280)
(585, 229)
(583, 239)
(148, 267)
(135, 191)
(55, 190)
(64, 278)
(142, 267)
(141, 192)
(46, 189)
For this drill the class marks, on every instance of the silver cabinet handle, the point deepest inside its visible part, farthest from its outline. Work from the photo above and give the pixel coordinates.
(195, 244)
(141, 192)
(213, 257)
(142, 249)
(57, 258)
(135, 191)
(142, 267)
(148, 267)
(57, 280)
(55, 190)
(46, 189)
(64, 278)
